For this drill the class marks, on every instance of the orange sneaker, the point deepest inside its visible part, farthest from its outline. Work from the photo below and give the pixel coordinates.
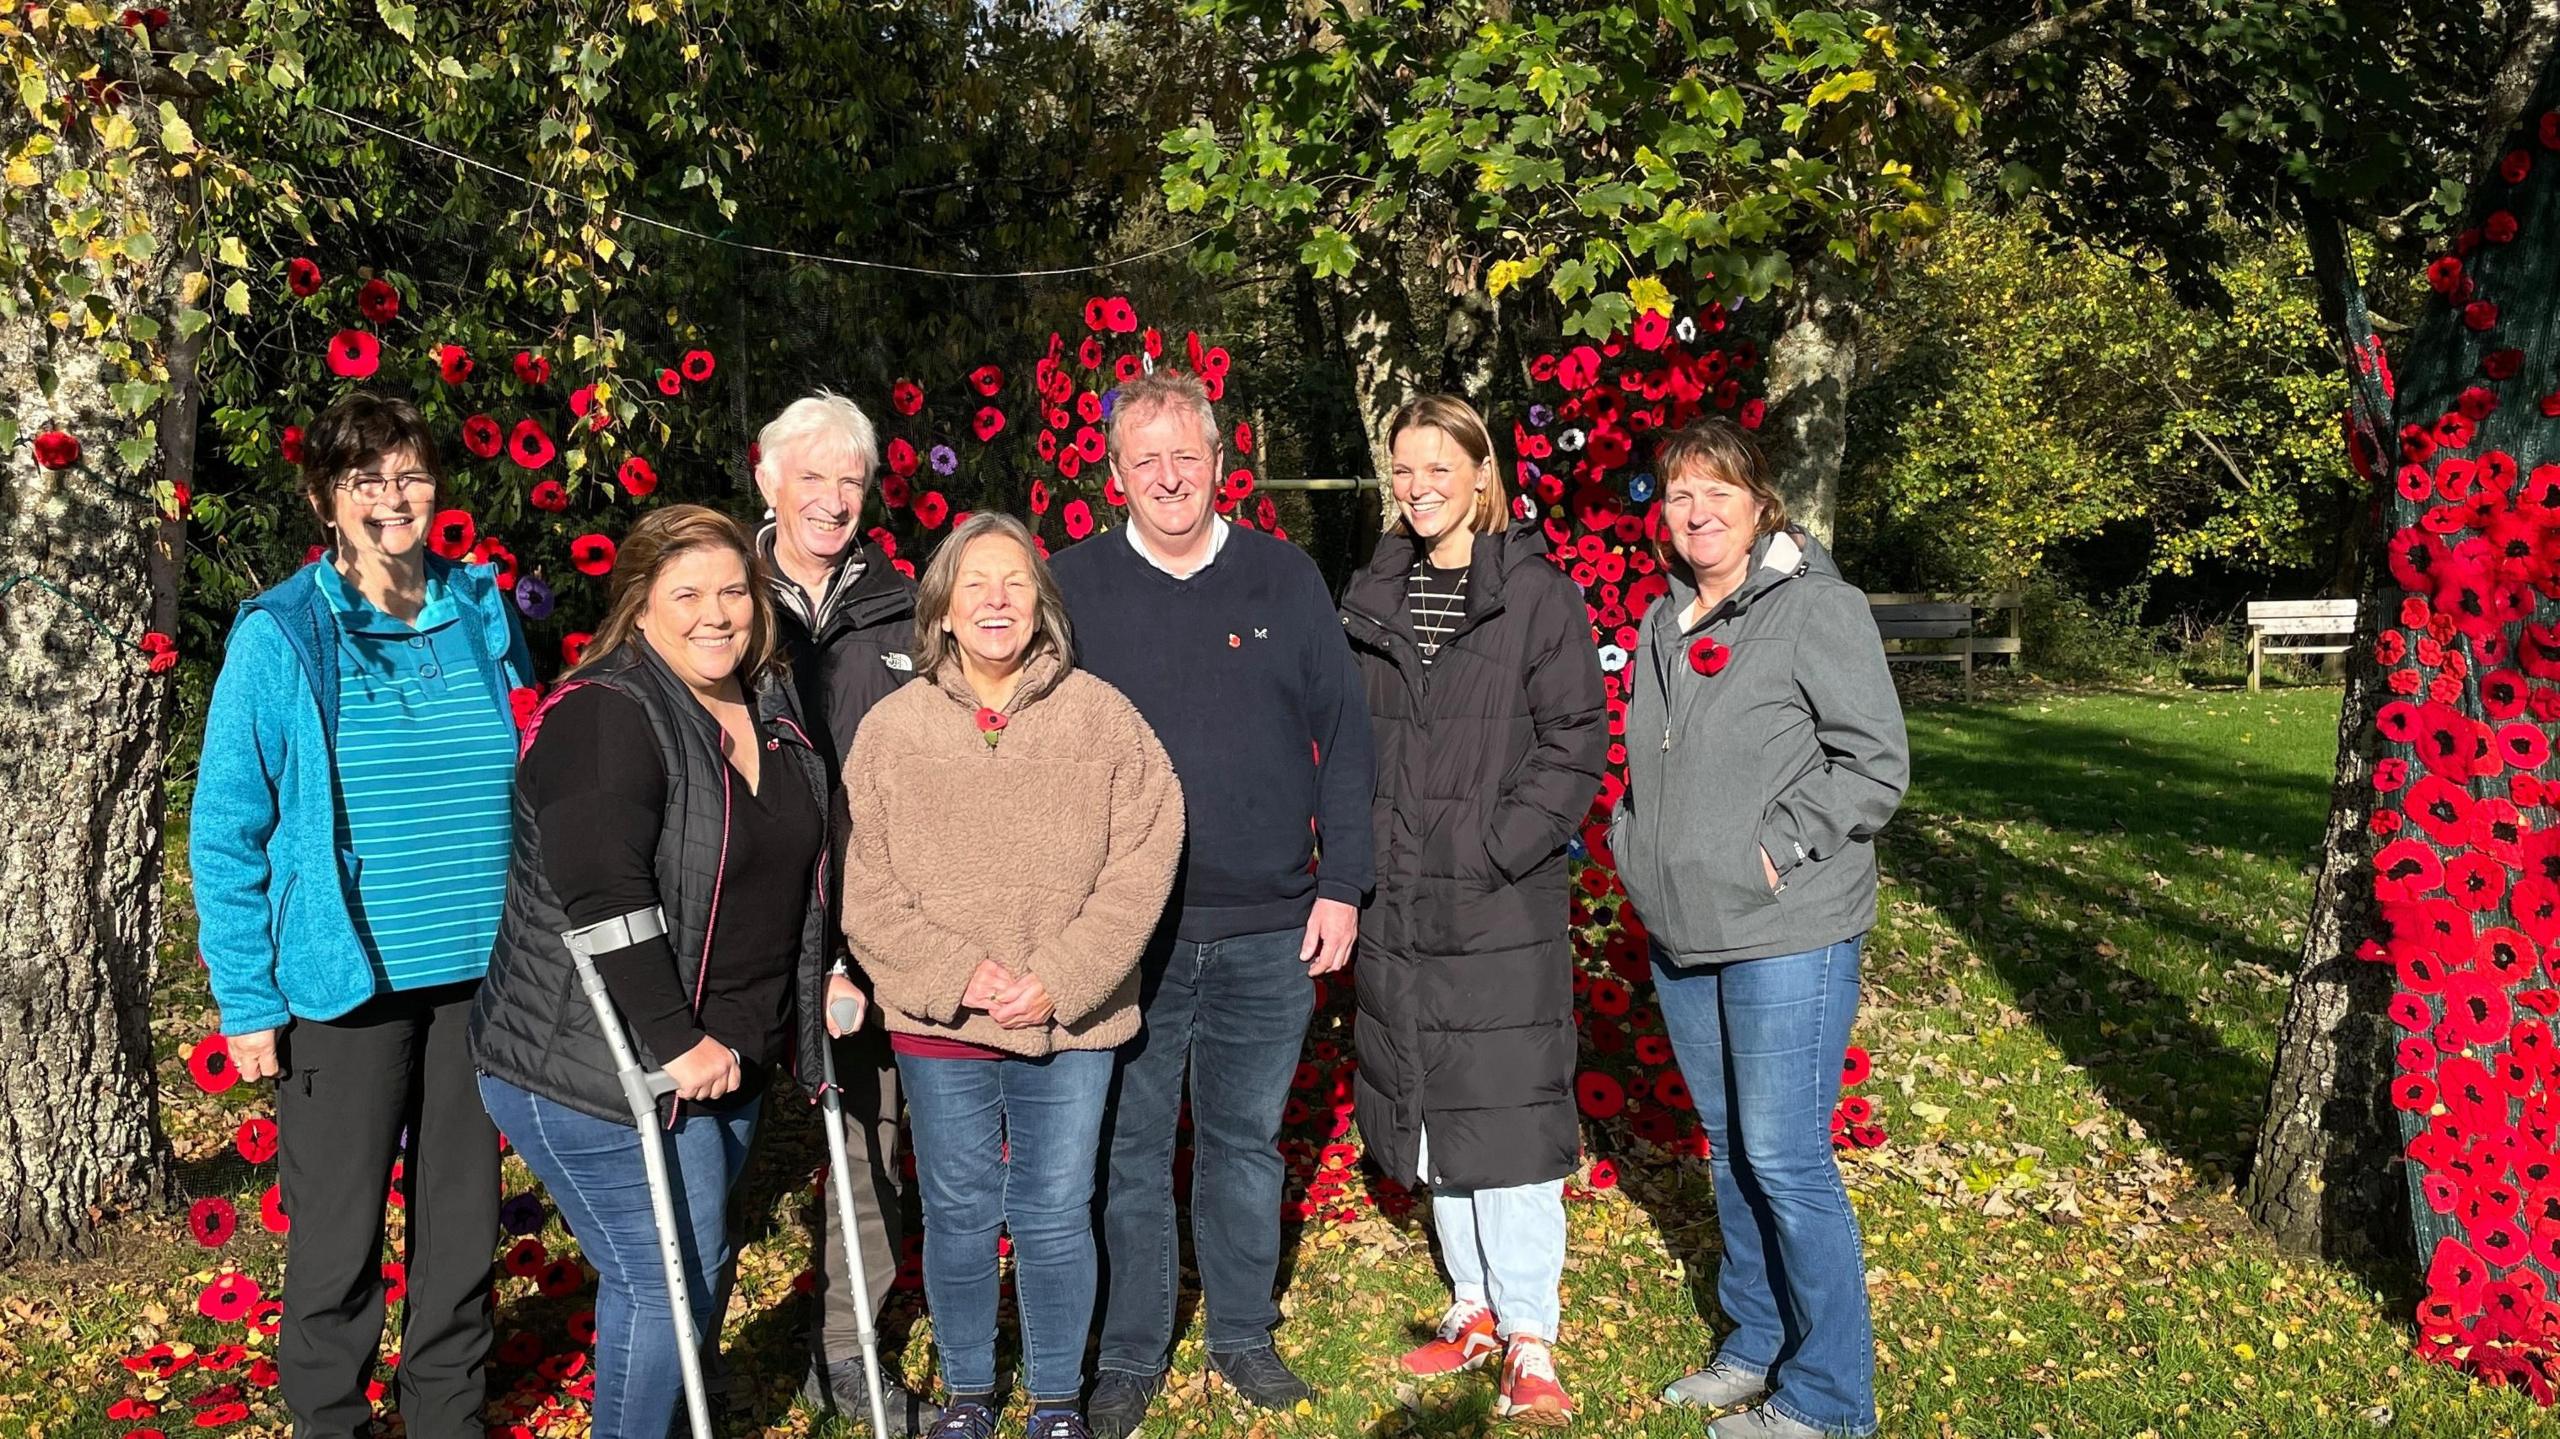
(1529, 1392)
(1465, 1340)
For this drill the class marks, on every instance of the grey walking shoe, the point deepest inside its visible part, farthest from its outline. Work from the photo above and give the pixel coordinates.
(1718, 1386)
(1762, 1423)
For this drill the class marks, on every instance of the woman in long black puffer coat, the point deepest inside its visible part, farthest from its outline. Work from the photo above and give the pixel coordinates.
(1491, 730)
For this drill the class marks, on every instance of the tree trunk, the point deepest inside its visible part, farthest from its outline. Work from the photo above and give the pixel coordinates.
(2332, 1173)
(2327, 1175)
(1374, 317)
(1813, 363)
(83, 726)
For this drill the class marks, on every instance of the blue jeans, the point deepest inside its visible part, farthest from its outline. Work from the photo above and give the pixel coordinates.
(1234, 1012)
(1009, 1143)
(1505, 1250)
(1760, 1043)
(592, 1169)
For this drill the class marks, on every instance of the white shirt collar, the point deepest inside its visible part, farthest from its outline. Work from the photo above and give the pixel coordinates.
(1217, 541)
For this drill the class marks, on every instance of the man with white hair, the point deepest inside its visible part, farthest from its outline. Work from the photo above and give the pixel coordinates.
(847, 617)
(1227, 642)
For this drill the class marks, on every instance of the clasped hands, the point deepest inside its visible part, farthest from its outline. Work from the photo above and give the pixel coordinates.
(1011, 1000)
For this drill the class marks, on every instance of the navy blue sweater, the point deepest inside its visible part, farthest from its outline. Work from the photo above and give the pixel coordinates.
(1243, 673)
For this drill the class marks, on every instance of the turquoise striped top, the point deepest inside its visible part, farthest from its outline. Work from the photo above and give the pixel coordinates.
(426, 758)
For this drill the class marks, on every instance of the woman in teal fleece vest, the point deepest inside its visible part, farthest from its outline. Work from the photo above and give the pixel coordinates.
(349, 844)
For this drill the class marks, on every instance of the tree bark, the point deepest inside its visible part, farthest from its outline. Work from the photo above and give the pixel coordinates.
(2327, 1176)
(1374, 317)
(83, 727)
(1813, 365)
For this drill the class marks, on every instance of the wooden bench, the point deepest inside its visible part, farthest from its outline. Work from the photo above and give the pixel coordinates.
(1951, 627)
(2299, 621)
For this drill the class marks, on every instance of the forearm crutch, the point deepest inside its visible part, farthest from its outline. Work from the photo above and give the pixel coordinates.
(641, 1089)
(846, 1014)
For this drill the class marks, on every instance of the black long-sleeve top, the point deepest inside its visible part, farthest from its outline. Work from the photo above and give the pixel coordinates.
(599, 798)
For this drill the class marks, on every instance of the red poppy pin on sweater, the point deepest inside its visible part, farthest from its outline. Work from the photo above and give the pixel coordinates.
(1708, 657)
(991, 723)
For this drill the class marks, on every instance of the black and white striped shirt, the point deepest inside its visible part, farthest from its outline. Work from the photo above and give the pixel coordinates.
(1437, 601)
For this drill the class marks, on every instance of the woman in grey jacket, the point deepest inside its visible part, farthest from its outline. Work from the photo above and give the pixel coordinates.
(1747, 845)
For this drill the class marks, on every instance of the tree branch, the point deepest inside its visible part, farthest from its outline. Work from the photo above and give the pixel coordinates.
(2517, 74)
(1975, 66)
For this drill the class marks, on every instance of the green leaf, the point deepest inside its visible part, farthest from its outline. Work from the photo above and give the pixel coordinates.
(229, 251)
(235, 297)
(136, 452)
(136, 397)
(1330, 251)
(403, 19)
(176, 135)
(452, 69)
(190, 320)
(8, 434)
(142, 327)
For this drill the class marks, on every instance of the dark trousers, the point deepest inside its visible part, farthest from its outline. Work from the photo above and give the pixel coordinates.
(869, 1079)
(351, 1086)
(1234, 1013)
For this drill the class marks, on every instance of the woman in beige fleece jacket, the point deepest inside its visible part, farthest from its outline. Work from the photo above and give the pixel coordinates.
(1015, 832)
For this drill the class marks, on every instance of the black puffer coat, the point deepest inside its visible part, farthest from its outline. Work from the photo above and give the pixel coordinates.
(1487, 760)
(852, 654)
(532, 1025)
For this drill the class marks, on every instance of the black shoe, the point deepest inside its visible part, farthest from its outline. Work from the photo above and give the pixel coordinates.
(1119, 1404)
(965, 1421)
(843, 1389)
(1058, 1424)
(1261, 1377)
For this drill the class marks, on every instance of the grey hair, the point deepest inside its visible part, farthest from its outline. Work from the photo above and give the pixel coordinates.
(1050, 630)
(825, 415)
(1152, 394)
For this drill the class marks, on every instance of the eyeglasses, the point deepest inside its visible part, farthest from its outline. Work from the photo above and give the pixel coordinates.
(374, 488)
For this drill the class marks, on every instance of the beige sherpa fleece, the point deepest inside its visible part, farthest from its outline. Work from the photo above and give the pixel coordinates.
(1051, 852)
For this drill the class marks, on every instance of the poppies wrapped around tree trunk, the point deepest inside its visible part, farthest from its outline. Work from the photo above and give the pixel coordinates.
(2437, 934)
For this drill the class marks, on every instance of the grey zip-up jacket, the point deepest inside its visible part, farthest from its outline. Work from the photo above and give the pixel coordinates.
(1795, 746)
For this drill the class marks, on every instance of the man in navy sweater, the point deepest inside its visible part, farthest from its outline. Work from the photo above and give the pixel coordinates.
(1228, 643)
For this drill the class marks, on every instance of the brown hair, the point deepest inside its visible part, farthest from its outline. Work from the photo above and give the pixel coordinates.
(1151, 394)
(1726, 451)
(657, 541)
(1490, 511)
(936, 646)
(360, 428)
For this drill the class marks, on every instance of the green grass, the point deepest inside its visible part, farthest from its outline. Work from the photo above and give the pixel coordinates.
(2092, 903)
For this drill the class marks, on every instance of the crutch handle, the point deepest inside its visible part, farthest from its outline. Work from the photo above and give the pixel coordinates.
(661, 1084)
(846, 1014)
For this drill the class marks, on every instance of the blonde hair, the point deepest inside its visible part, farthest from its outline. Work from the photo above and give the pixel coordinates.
(1490, 511)
(936, 645)
(661, 537)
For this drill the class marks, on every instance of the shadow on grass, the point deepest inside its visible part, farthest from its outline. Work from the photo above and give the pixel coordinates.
(2172, 798)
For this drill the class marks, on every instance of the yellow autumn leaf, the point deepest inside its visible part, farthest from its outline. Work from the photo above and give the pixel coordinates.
(1841, 87)
(23, 173)
(1507, 273)
(1649, 295)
